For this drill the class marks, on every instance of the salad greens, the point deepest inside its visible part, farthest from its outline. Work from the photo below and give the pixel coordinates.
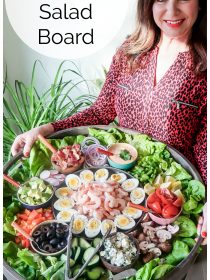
(152, 270)
(179, 252)
(187, 228)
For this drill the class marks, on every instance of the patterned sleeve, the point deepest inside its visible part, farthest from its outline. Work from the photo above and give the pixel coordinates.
(200, 148)
(103, 110)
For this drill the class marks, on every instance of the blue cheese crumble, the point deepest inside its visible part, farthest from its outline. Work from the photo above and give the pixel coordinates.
(119, 250)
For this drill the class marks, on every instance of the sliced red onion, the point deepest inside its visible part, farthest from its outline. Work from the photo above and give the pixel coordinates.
(44, 174)
(53, 182)
(86, 143)
(93, 158)
(53, 172)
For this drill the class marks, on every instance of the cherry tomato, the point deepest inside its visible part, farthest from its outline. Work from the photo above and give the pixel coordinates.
(169, 211)
(155, 206)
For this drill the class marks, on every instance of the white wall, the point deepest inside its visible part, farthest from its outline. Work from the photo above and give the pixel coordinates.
(19, 58)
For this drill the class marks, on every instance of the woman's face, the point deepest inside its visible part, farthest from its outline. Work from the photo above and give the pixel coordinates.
(175, 18)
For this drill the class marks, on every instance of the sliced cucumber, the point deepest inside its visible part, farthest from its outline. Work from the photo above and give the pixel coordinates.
(94, 273)
(96, 241)
(75, 242)
(77, 253)
(87, 254)
(84, 244)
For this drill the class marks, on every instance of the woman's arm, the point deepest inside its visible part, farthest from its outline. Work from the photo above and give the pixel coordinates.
(103, 110)
(200, 148)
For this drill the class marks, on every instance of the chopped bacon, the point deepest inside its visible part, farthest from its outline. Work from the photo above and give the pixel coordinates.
(67, 156)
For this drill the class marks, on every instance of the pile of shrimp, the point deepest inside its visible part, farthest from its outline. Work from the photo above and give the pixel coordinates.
(100, 200)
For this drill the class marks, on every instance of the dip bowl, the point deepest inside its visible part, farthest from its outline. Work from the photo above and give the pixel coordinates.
(116, 161)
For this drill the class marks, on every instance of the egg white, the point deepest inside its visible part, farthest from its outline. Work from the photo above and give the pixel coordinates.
(105, 225)
(135, 198)
(76, 180)
(120, 220)
(64, 204)
(79, 218)
(122, 177)
(99, 177)
(63, 192)
(132, 212)
(130, 184)
(87, 176)
(66, 215)
(92, 232)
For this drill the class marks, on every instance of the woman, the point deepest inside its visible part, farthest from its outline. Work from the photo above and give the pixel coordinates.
(156, 83)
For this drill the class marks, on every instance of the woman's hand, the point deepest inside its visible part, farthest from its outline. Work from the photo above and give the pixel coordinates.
(25, 141)
(202, 225)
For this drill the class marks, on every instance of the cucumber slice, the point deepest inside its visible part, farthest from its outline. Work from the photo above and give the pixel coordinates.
(87, 254)
(96, 241)
(94, 273)
(75, 242)
(77, 253)
(84, 244)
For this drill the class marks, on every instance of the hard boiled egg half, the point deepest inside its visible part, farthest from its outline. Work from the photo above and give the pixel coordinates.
(130, 184)
(73, 182)
(124, 222)
(93, 227)
(132, 212)
(118, 177)
(137, 195)
(79, 224)
(101, 175)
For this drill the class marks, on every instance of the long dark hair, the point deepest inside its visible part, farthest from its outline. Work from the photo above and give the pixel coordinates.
(147, 35)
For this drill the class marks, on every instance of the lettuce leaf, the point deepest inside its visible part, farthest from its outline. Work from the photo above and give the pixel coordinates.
(178, 172)
(187, 228)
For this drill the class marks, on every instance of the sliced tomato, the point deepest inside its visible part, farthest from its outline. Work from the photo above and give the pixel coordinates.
(152, 198)
(17, 240)
(169, 211)
(155, 206)
(178, 202)
(165, 196)
(27, 212)
(23, 216)
(37, 221)
(33, 215)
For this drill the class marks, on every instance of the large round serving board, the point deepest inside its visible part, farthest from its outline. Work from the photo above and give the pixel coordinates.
(182, 268)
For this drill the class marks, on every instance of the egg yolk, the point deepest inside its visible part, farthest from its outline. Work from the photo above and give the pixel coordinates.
(64, 192)
(88, 177)
(93, 224)
(65, 215)
(78, 224)
(137, 194)
(131, 210)
(65, 203)
(101, 173)
(116, 177)
(124, 221)
(73, 182)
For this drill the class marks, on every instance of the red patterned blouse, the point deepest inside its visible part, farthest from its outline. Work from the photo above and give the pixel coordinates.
(173, 110)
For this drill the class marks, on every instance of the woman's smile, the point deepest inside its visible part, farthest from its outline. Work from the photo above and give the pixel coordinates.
(174, 23)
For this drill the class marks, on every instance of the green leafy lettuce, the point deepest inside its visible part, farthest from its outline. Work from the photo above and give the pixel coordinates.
(187, 228)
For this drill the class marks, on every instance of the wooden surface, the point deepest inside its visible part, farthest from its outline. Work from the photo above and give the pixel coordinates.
(198, 271)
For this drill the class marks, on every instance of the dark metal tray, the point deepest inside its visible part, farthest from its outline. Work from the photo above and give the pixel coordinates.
(182, 268)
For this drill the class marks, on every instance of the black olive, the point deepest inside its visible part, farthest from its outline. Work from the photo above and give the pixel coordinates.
(53, 226)
(45, 229)
(59, 225)
(43, 244)
(54, 241)
(63, 243)
(39, 239)
(36, 233)
(48, 247)
(60, 247)
(50, 234)
(60, 233)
